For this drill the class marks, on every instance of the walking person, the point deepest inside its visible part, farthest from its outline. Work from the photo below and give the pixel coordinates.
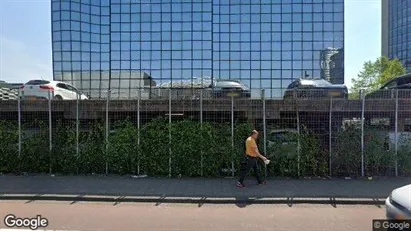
(251, 160)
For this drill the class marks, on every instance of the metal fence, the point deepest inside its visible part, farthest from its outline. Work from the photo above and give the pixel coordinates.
(196, 132)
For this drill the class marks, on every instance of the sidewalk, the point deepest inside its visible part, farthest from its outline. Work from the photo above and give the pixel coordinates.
(118, 188)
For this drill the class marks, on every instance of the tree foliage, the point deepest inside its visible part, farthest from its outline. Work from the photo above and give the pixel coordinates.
(375, 74)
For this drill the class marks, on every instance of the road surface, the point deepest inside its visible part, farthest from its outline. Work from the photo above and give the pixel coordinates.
(89, 216)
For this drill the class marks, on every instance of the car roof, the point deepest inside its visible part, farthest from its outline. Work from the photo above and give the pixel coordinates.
(405, 76)
(316, 82)
(227, 83)
(50, 81)
(408, 75)
(285, 130)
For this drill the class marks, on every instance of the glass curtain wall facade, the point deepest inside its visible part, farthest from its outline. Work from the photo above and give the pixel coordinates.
(399, 34)
(262, 43)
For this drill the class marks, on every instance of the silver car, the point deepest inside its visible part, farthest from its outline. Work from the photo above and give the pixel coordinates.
(224, 88)
(398, 204)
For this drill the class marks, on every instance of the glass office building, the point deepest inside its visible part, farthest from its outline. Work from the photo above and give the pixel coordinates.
(126, 44)
(396, 30)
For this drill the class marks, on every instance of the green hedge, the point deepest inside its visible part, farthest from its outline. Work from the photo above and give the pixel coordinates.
(196, 149)
(379, 157)
(288, 161)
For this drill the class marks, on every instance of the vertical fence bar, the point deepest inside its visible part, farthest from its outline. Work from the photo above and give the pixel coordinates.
(201, 124)
(50, 133)
(330, 136)
(264, 128)
(19, 120)
(299, 136)
(107, 127)
(77, 124)
(169, 133)
(396, 133)
(362, 131)
(138, 130)
(232, 136)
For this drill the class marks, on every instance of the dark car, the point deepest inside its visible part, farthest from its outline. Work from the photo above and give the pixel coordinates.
(315, 88)
(228, 88)
(388, 90)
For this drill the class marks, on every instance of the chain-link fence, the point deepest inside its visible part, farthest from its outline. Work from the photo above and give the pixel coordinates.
(201, 133)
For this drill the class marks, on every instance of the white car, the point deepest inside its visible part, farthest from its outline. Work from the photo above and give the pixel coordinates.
(398, 204)
(39, 89)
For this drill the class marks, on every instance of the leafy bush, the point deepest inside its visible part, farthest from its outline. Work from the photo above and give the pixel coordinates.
(9, 160)
(288, 161)
(64, 157)
(123, 148)
(346, 153)
(378, 158)
(92, 157)
(404, 156)
(35, 156)
(155, 147)
(196, 150)
(191, 143)
(313, 160)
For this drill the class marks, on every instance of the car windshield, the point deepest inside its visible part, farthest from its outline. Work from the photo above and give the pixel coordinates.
(283, 136)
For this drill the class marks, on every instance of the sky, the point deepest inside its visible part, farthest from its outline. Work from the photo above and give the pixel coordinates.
(25, 38)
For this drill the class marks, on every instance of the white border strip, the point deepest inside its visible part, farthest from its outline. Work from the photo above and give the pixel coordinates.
(36, 230)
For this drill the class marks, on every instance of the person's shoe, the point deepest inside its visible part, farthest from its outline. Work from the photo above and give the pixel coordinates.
(240, 185)
(262, 183)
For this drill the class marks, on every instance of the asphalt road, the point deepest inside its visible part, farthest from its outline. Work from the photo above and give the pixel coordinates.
(136, 216)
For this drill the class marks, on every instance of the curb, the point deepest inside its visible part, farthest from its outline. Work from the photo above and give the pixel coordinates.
(193, 200)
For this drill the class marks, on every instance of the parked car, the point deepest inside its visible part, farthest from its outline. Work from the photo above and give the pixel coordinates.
(228, 88)
(398, 204)
(39, 89)
(402, 83)
(282, 148)
(315, 88)
(283, 137)
(282, 142)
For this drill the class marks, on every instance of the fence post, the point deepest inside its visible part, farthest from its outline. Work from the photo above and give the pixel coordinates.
(50, 133)
(362, 131)
(201, 124)
(264, 128)
(169, 133)
(107, 127)
(138, 130)
(396, 133)
(232, 136)
(19, 120)
(77, 124)
(298, 133)
(330, 136)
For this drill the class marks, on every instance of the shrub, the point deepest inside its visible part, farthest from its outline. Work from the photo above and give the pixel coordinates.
(288, 161)
(123, 152)
(92, 157)
(64, 157)
(196, 149)
(9, 159)
(346, 153)
(379, 158)
(35, 156)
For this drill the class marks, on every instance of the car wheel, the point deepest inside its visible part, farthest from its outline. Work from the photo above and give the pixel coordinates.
(58, 97)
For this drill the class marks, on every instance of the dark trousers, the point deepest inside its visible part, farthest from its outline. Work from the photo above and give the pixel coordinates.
(248, 164)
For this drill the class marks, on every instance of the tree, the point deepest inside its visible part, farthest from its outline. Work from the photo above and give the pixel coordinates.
(375, 74)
